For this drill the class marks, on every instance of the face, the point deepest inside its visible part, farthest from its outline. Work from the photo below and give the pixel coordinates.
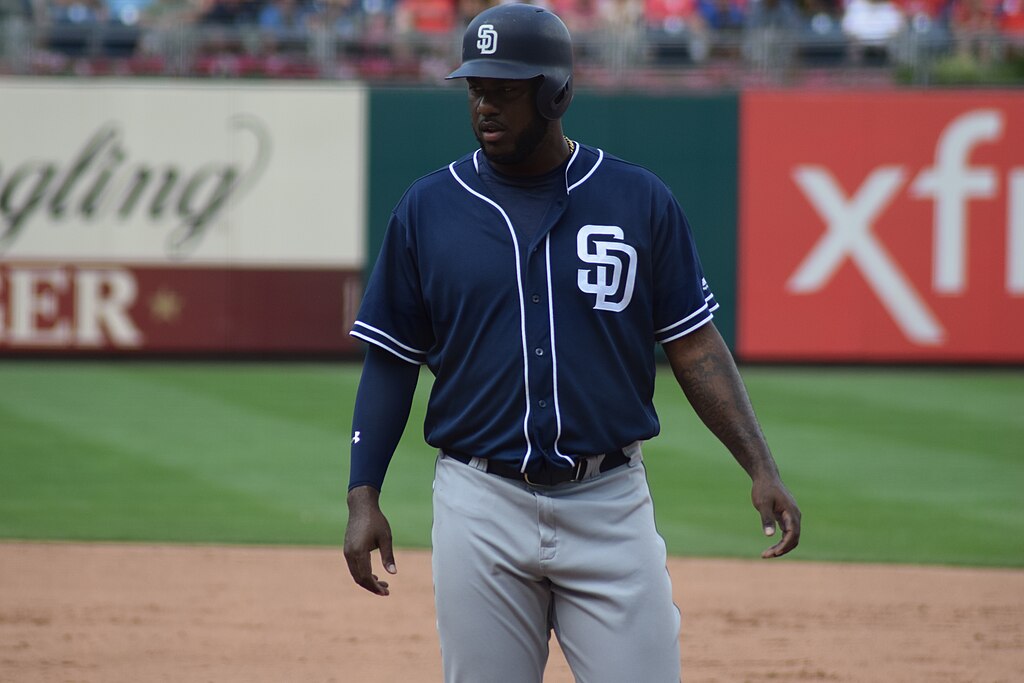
(511, 132)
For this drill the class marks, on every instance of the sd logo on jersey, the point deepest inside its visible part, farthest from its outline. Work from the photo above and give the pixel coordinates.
(614, 273)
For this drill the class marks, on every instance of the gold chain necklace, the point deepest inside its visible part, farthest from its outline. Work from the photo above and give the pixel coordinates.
(572, 145)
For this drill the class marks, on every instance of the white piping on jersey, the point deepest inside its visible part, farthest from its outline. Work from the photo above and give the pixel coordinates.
(700, 310)
(522, 309)
(687, 330)
(375, 342)
(554, 356)
(575, 153)
(386, 348)
(388, 337)
(522, 304)
(600, 158)
(680, 322)
(568, 188)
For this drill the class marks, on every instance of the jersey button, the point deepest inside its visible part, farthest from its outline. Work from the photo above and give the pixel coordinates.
(535, 298)
(542, 403)
(539, 351)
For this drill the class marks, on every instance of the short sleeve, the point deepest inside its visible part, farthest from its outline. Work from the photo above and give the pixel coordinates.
(392, 315)
(683, 300)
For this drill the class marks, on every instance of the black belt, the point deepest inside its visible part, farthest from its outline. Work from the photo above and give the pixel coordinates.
(552, 475)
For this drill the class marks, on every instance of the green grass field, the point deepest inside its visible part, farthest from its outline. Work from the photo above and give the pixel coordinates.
(891, 465)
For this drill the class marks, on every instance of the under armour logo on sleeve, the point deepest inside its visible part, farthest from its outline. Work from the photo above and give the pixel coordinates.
(355, 438)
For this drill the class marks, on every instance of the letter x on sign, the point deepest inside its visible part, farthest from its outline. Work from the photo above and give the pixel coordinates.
(848, 234)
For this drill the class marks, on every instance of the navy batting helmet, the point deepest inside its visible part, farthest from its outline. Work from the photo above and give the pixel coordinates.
(520, 42)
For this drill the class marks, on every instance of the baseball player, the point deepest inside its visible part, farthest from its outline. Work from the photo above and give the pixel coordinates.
(534, 278)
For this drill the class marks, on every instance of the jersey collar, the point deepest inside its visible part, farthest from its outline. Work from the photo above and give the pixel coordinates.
(582, 165)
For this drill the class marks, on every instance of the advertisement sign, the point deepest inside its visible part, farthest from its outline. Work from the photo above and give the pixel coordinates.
(882, 226)
(83, 308)
(179, 216)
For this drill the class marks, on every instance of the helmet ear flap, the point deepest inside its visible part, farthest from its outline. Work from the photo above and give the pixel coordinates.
(554, 97)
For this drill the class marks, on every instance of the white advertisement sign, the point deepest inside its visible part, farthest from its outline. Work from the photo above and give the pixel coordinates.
(182, 173)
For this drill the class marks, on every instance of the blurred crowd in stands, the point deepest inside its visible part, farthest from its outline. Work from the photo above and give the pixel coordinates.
(418, 40)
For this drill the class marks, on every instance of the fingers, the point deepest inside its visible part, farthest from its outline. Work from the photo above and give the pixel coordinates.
(778, 510)
(387, 556)
(362, 573)
(789, 522)
(367, 530)
(768, 523)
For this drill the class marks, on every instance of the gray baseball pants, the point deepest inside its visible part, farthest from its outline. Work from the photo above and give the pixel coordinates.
(513, 562)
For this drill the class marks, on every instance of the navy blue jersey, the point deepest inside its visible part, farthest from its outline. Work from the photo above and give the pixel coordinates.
(540, 350)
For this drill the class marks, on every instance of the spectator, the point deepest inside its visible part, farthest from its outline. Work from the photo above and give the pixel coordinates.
(816, 11)
(284, 26)
(284, 17)
(425, 17)
(1011, 20)
(871, 26)
(126, 12)
(338, 18)
(621, 32)
(724, 21)
(723, 15)
(166, 15)
(230, 13)
(15, 8)
(378, 21)
(671, 23)
(582, 17)
(927, 11)
(73, 26)
(781, 15)
(772, 28)
(76, 12)
(465, 10)
(975, 27)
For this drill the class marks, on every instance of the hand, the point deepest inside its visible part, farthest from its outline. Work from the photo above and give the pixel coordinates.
(776, 505)
(368, 530)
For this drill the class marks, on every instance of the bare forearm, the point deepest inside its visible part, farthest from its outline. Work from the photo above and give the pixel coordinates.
(704, 368)
(708, 376)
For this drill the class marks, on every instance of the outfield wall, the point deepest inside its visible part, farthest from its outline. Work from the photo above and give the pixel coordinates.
(882, 226)
(176, 217)
(187, 217)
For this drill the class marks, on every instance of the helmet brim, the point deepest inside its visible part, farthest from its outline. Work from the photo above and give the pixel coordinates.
(496, 68)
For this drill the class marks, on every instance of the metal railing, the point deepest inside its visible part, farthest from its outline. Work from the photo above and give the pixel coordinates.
(633, 57)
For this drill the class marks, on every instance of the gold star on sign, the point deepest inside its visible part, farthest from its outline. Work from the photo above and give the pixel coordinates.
(166, 305)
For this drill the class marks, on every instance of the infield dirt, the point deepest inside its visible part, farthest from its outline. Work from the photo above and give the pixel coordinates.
(107, 613)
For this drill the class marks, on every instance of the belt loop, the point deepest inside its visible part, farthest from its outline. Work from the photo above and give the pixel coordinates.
(582, 469)
(634, 453)
(478, 463)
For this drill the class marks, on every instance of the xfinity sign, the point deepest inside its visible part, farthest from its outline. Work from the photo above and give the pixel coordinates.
(923, 236)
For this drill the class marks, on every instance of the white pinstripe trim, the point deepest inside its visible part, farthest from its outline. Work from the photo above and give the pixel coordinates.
(390, 350)
(575, 153)
(680, 322)
(522, 305)
(600, 158)
(687, 330)
(554, 357)
(388, 337)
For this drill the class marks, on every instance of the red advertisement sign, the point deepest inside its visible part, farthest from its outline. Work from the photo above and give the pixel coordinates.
(109, 308)
(882, 226)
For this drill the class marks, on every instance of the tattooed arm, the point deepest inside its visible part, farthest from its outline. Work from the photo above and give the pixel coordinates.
(705, 370)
